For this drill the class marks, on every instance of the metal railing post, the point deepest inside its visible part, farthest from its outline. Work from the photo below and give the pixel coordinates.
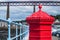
(9, 30)
(20, 30)
(16, 32)
(9, 38)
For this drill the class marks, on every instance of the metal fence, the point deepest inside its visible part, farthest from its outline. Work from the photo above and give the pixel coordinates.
(17, 32)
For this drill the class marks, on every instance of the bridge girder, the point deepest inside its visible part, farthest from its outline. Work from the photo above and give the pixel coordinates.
(30, 3)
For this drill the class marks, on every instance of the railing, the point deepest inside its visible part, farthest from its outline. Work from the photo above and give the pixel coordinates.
(19, 31)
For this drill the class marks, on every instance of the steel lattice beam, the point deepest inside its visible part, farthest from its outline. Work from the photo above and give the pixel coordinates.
(31, 3)
(28, 3)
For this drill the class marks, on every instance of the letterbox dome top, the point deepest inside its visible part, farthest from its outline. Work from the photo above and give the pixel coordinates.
(40, 15)
(40, 6)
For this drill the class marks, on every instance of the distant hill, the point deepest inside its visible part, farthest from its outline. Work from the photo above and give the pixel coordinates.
(56, 17)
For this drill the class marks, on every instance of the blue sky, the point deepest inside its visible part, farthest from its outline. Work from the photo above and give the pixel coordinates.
(21, 12)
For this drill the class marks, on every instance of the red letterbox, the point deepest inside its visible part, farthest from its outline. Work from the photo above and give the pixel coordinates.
(40, 25)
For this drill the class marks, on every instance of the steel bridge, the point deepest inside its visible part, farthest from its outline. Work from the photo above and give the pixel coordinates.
(28, 3)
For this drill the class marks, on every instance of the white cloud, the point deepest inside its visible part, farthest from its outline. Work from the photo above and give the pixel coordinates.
(3, 8)
(54, 11)
(21, 8)
(20, 12)
(3, 0)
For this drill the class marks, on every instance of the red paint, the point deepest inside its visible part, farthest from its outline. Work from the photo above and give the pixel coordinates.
(40, 25)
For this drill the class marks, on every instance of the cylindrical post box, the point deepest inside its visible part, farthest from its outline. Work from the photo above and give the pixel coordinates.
(40, 25)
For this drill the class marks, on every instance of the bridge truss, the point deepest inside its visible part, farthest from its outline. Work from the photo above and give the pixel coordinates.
(28, 3)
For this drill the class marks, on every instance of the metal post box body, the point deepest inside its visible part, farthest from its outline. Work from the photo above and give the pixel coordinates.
(40, 25)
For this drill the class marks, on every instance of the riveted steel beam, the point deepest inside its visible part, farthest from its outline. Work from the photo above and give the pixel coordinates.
(31, 3)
